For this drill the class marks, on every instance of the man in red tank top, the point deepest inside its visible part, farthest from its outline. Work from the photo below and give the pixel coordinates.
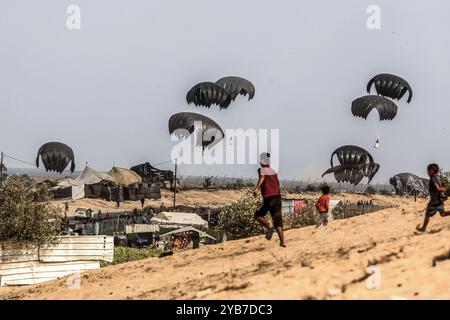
(270, 190)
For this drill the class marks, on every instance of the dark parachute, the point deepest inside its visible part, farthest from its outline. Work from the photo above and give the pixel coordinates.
(389, 85)
(237, 86)
(56, 156)
(355, 163)
(208, 93)
(409, 184)
(208, 134)
(362, 106)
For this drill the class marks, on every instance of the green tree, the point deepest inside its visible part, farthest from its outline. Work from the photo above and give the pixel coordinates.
(238, 218)
(26, 215)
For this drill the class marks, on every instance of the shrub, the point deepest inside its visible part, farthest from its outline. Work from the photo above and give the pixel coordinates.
(125, 254)
(26, 215)
(238, 218)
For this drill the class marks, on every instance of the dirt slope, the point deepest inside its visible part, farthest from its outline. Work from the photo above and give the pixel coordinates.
(319, 263)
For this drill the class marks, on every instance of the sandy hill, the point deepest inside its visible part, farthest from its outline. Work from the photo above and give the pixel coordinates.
(319, 263)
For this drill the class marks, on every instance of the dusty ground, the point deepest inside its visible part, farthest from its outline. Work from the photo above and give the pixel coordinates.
(319, 263)
(207, 198)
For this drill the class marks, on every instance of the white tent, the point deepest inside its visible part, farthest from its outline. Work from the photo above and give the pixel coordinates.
(89, 176)
(77, 189)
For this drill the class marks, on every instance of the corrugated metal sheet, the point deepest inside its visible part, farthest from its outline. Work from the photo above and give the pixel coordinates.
(37, 272)
(141, 228)
(38, 264)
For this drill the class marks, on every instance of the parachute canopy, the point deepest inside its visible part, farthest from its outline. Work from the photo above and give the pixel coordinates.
(208, 93)
(389, 85)
(409, 184)
(362, 106)
(185, 123)
(56, 156)
(237, 86)
(354, 163)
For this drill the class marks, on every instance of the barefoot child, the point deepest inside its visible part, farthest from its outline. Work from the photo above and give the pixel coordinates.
(323, 206)
(270, 191)
(438, 194)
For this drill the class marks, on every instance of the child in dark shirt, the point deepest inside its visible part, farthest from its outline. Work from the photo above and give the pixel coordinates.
(438, 194)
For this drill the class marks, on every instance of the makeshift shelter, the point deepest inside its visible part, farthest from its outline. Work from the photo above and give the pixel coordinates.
(185, 237)
(88, 184)
(294, 206)
(69, 188)
(179, 219)
(204, 237)
(93, 182)
(124, 176)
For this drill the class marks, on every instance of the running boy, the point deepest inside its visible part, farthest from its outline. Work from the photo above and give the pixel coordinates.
(438, 194)
(271, 193)
(323, 206)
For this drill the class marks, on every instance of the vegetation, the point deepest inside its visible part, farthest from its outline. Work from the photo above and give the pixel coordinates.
(26, 215)
(238, 218)
(126, 254)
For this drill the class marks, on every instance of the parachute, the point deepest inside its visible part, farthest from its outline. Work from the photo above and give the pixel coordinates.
(389, 85)
(237, 86)
(362, 106)
(56, 156)
(208, 131)
(355, 163)
(409, 184)
(208, 93)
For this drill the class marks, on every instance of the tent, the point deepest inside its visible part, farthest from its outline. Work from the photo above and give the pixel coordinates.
(81, 186)
(124, 176)
(91, 176)
(69, 188)
(93, 182)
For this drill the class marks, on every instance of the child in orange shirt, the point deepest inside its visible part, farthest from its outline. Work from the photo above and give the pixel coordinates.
(323, 206)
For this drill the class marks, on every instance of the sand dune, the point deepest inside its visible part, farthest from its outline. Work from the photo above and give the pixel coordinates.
(319, 263)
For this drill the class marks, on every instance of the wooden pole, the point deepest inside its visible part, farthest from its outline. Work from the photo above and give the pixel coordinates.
(175, 185)
(1, 168)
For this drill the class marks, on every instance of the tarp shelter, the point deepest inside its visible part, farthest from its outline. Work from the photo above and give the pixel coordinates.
(93, 182)
(336, 208)
(124, 176)
(76, 188)
(69, 188)
(179, 219)
(291, 206)
(91, 176)
(189, 229)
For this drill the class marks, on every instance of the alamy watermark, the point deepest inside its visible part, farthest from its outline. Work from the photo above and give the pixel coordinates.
(373, 282)
(238, 146)
(373, 21)
(73, 21)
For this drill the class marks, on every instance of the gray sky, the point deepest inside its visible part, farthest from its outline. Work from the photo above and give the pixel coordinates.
(108, 89)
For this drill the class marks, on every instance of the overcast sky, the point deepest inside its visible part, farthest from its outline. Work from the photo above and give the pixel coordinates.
(108, 89)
